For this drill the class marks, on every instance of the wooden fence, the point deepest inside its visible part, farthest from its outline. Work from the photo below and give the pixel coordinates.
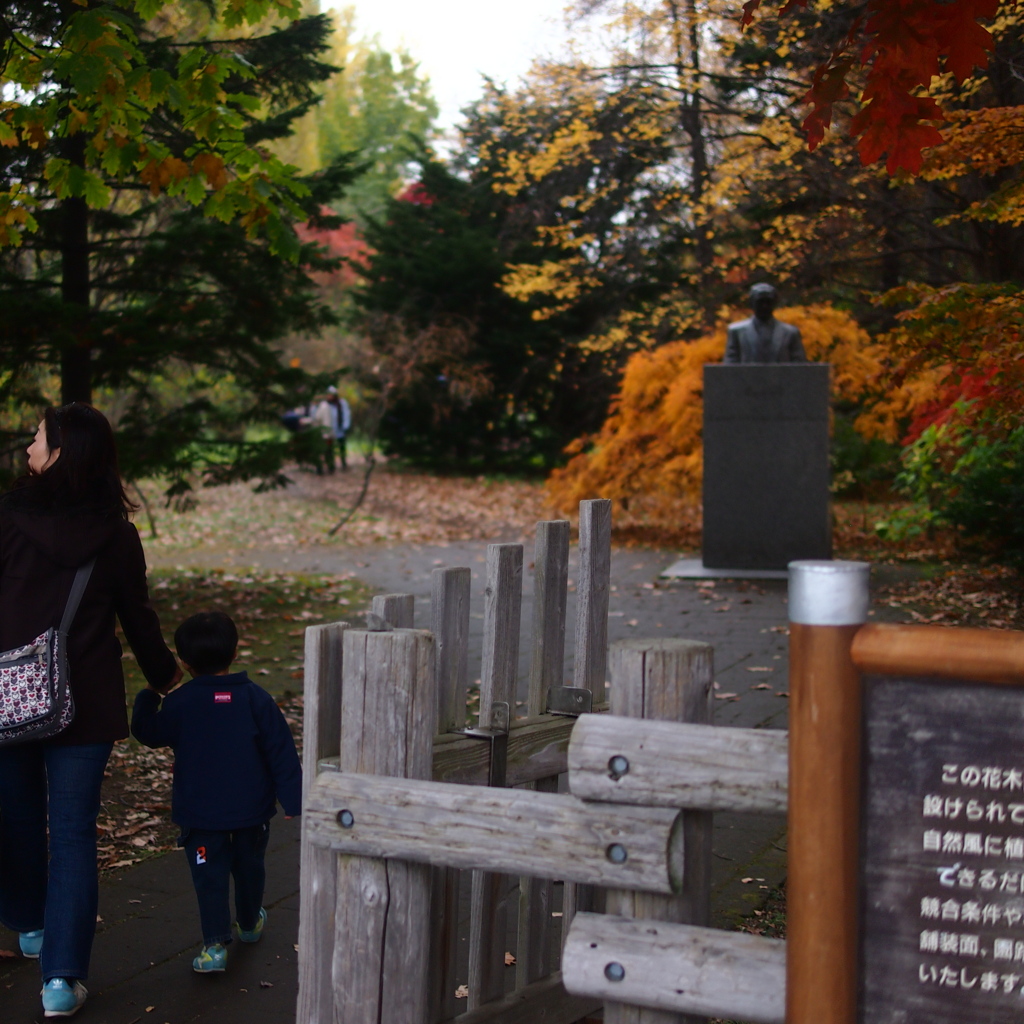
(408, 818)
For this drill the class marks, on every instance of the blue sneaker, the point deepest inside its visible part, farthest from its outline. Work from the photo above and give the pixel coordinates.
(31, 943)
(212, 960)
(257, 933)
(63, 997)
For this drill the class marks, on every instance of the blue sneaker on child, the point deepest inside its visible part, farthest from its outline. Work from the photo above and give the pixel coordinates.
(212, 959)
(257, 931)
(31, 943)
(63, 997)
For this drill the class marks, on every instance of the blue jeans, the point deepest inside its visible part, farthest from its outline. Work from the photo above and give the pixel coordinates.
(41, 784)
(215, 857)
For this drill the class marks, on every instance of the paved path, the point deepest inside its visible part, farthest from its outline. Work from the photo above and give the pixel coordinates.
(143, 949)
(141, 966)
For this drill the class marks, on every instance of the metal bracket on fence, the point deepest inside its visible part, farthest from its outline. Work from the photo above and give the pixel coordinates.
(497, 736)
(570, 700)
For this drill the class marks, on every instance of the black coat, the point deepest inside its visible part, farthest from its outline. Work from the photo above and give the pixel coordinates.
(234, 756)
(39, 554)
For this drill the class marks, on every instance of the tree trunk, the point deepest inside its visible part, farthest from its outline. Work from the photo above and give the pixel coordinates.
(75, 369)
(688, 78)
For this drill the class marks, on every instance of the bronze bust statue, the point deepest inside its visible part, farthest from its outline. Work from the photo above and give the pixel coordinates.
(762, 338)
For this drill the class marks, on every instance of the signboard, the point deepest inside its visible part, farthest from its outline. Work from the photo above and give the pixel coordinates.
(942, 858)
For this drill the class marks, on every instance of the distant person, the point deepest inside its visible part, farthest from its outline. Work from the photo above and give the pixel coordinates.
(296, 419)
(342, 424)
(234, 759)
(762, 338)
(324, 414)
(69, 509)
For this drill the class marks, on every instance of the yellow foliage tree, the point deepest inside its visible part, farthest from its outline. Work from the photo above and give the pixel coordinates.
(648, 452)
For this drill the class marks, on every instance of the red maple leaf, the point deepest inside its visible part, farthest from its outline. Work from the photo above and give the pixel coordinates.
(902, 45)
(828, 87)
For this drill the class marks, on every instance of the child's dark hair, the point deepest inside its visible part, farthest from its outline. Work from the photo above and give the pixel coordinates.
(206, 642)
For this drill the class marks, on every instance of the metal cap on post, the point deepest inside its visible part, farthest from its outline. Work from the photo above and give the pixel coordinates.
(828, 593)
(828, 604)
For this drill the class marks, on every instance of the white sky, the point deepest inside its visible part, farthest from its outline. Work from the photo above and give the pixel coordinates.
(456, 41)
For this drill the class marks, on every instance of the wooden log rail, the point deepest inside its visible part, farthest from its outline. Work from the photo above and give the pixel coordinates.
(498, 830)
(677, 967)
(537, 749)
(670, 764)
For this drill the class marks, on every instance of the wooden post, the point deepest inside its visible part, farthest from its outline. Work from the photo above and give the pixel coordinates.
(449, 619)
(489, 906)
(321, 738)
(547, 666)
(591, 655)
(382, 918)
(669, 680)
(828, 601)
(449, 622)
(551, 574)
(503, 599)
(590, 658)
(395, 609)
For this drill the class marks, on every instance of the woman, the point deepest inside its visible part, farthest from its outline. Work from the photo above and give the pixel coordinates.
(70, 508)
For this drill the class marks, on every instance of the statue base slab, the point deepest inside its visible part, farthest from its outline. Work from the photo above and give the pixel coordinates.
(695, 569)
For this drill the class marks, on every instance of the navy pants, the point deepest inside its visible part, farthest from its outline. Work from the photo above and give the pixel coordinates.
(43, 784)
(214, 857)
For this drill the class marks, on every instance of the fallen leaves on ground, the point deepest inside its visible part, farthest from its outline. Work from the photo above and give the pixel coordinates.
(401, 507)
(986, 596)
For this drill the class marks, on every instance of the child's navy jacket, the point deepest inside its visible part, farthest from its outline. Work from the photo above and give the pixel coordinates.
(234, 756)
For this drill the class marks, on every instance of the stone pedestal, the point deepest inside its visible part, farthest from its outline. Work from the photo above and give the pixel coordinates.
(766, 473)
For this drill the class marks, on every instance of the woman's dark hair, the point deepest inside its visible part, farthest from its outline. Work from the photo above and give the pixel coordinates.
(85, 476)
(206, 642)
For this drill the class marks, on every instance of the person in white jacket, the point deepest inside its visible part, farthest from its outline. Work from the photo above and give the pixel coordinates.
(333, 418)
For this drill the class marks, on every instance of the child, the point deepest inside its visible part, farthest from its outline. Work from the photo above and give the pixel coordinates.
(234, 757)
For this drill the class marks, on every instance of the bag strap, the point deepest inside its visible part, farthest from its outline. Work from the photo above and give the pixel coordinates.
(75, 597)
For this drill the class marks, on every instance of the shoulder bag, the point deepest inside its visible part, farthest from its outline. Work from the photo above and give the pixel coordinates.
(35, 691)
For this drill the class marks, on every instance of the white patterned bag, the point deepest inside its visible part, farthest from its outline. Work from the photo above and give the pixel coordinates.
(35, 693)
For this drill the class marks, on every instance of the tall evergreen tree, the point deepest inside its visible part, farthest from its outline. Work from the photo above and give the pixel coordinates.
(163, 265)
(492, 387)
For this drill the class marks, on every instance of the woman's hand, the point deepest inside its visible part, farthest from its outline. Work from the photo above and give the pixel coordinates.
(175, 679)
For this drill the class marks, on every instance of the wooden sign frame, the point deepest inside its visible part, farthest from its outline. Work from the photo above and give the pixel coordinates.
(830, 649)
